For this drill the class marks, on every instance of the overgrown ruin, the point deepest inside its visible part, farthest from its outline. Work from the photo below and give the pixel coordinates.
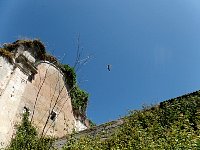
(32, 80)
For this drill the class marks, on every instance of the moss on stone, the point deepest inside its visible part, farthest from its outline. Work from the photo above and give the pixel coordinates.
(78, 96)
(6, 54)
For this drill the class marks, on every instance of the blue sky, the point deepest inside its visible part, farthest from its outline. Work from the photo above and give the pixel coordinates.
(153, 46)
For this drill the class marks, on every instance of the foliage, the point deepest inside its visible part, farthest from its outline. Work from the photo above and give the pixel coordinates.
(27, 138)
(78, 96)
(91, 123)
(79, 100)
(70, 75)
(174, 124)
(51, 59)
(8, 55)
(8, 50)
(27, 43)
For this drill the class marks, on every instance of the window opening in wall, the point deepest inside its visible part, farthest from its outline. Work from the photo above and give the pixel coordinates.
(26, 110)
(31, 77)
(53, 115)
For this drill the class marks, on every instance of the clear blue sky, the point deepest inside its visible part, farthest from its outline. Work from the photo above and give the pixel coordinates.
(153, 46)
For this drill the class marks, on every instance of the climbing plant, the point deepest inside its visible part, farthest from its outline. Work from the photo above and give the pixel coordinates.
(6, 54)
(79, 100)
(78, 96)
(70, 75)
(27, 138)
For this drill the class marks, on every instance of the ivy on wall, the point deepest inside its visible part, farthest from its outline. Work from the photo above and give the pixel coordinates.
(79, 100)
(78, 96)
(70, 75)
(37, 48)
(6, 54)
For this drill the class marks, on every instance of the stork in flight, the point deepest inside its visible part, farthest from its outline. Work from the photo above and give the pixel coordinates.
(109, 67)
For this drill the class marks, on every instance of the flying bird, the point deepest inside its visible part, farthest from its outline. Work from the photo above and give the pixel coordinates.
(108, 67)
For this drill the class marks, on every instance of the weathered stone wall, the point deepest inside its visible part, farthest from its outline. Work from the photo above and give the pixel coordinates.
(5, 71)
(38, 87)
(46, 94)
(12, 89)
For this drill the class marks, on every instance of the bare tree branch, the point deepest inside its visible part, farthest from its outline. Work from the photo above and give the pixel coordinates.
(79, 60)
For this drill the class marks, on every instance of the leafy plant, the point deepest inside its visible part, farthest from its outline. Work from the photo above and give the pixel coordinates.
(6, 54)
(174, 124)
(79, 100)
(70, 75)
(27, 138)
(78, 96)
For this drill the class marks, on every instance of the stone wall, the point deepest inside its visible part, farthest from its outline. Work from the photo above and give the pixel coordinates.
(47, 95)
(12, 89)
(38, 87)
(5, 72)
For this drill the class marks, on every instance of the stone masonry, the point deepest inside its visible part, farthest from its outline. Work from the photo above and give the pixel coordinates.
(36, 86)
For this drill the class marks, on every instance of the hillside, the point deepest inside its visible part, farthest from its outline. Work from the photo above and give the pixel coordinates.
(173, 124)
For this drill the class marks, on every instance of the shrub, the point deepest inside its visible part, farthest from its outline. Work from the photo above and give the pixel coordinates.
(174, 124)
(6, 54)
(27, 138)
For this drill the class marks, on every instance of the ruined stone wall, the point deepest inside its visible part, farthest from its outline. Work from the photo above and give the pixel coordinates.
(12, 89)
(38, 87)
(5, 71)
(46, 97)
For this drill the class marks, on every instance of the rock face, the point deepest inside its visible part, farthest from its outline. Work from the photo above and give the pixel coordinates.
(36, 86)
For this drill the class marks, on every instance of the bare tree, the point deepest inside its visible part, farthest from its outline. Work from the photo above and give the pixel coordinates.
(80, 60)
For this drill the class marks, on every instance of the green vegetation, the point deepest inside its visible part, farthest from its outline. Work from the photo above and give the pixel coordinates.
(26, 137)
(92, 124)
(78, 96)
(79, 100)
(36, 45)
(174, 124)
(6, 54)
(70, 75)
